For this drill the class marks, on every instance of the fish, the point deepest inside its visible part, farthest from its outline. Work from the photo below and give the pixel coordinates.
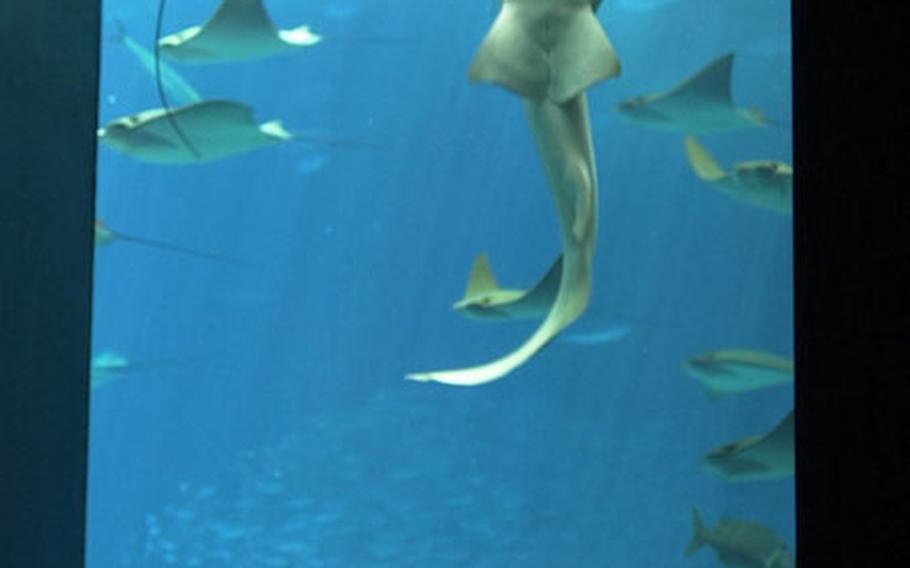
(107, 367)
(762, 457)
(177, 88)
(214, 129)
(761, 183)
(238, 30)
(110, 366)
(741, 544)
(730, 371)
(607, 334)
(484, 299)
(701, 104)
(104, 236)
(549, 52)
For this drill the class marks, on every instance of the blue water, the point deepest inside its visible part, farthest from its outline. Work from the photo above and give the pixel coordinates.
(268, 422)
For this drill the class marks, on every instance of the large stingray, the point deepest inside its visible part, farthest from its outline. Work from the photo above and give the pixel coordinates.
(729, 371)
(548, 52)
(761, 183)
(484, 299)
(104, 235)
(767, 456)
(215, 129)
(238, 30)
(699, 105)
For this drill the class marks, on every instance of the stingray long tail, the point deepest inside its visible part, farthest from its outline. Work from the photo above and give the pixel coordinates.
(371, 40)
(161, 245)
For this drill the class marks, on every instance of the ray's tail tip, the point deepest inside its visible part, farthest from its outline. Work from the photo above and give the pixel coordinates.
(418, 377)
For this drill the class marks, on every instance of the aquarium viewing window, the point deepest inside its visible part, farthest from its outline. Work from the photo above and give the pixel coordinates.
(459, 284)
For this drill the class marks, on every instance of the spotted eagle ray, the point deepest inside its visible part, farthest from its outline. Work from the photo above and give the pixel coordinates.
(767, 456)
(548, 52)
(242, 30)
(761, 183)
(104, 235)
(699, 105)
(729, 371)
(484, 299)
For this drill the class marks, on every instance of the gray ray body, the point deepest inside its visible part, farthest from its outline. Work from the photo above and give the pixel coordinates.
(699, 105)
(238, 30)
(548, 52)
(216, 129)
(767, 456)
(761, 183)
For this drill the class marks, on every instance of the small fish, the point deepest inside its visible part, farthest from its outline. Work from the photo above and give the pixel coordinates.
(108, 367)
(764, 184)
(741, 544)
(484, 299)
(606, 334)
(767, 456)
(177, 88)
(699, 105)
(728, 371)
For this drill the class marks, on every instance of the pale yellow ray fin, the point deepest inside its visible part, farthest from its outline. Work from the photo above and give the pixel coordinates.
(701, 161)
(481, 279)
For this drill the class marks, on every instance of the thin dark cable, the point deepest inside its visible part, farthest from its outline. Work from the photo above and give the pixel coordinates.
(161, 94)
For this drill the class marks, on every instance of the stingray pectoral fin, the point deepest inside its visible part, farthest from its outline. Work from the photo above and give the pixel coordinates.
(582, 56)
(701, 161)
(511, 58)
(481, 279)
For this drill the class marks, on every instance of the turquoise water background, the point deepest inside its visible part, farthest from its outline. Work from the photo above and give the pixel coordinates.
(267, 421)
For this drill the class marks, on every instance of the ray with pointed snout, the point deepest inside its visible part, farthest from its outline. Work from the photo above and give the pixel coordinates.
(760, 183)
(766, 456)
(242, 30)
(699, 105)
(548, 52)
(238, 30)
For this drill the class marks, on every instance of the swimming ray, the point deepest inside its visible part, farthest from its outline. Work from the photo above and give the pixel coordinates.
(217, 129)
(700, 104)
(110, 366)
(761, 183)
(242, 30)
(484, 299)
(104, 235)
(767, 456)
(533, 50)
